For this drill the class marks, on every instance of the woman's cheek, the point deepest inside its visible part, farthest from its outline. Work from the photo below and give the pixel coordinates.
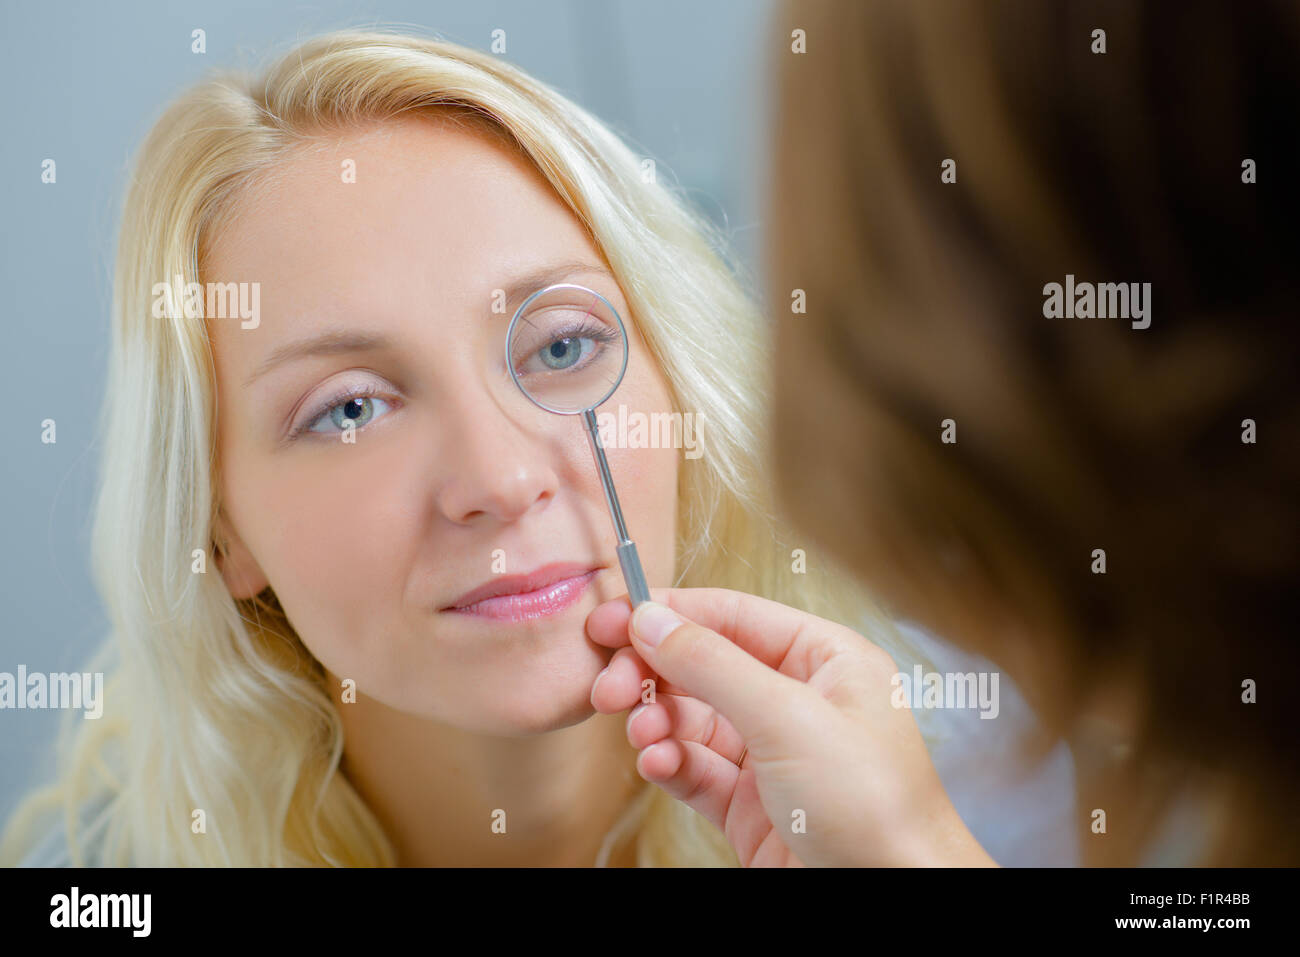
(333, 524)
(664, 524)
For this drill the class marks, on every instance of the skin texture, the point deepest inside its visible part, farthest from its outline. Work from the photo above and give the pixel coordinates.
(455, 717)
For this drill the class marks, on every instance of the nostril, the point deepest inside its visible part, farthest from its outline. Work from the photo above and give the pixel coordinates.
(491, 485)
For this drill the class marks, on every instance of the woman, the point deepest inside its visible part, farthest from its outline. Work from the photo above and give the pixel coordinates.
(303, 500)
(1104, 506)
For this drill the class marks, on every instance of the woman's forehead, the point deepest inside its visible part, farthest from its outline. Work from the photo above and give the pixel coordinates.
(420, 196)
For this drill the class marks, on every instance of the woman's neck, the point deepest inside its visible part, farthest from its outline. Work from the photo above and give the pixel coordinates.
(451, 798)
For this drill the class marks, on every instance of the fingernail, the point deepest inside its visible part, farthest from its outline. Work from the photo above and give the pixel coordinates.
(652, 622)
(596, 684)
(631, 716)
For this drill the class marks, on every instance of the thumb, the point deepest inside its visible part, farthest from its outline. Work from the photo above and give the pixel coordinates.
(756, 699)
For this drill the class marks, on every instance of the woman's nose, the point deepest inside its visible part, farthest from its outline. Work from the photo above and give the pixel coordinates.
(493, 468)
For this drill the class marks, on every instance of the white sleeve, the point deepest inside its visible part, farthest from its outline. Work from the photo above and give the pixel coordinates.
(1023, 814)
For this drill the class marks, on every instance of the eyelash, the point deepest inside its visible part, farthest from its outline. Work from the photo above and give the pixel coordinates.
(587, 329)
(326, 406)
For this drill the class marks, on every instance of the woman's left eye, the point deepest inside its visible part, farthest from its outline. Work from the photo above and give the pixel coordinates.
(354, 412)
(565, 353)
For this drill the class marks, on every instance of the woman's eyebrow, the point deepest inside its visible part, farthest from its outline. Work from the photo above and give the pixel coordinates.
(337, 341)
(522, 286)
(322, 344)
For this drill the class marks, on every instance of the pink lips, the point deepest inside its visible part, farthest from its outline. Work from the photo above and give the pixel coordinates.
(543, 592)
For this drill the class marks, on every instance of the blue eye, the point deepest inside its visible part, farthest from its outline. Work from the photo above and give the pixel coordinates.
(563, 353)
(356, 406)
(569, 345)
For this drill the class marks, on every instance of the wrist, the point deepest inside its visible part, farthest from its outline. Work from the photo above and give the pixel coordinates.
(938, 837)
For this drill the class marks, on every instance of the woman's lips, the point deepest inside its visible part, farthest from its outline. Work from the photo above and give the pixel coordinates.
(530, 600)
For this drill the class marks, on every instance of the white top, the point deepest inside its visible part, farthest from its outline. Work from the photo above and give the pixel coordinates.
(1023, 815)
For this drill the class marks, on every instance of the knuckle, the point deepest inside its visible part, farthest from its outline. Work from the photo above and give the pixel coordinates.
(691, 645)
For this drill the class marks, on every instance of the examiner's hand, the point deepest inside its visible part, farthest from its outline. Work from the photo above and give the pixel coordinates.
(834, 774)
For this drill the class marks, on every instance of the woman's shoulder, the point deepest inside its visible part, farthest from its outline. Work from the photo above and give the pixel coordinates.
(1022, 811)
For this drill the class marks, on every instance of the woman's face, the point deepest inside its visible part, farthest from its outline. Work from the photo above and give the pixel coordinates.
(374, 520)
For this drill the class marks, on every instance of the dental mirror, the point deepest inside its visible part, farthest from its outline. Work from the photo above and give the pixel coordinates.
(566, 349)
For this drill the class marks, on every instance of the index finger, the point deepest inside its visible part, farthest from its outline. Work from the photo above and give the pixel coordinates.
(768, 630)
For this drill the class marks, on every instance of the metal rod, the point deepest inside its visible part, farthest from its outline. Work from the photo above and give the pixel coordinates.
(606, 480)
(633, 575)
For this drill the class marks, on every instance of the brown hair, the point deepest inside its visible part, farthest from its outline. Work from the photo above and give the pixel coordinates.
(925, 302)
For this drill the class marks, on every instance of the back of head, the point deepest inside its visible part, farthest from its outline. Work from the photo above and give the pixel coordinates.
(1043, 396)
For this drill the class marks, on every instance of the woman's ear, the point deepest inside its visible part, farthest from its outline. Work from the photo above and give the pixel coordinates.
(243, 576)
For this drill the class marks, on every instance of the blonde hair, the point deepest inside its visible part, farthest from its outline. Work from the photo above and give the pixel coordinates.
(215, 703)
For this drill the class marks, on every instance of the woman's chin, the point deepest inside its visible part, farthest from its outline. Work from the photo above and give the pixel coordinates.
(506, 692)
(547, 707)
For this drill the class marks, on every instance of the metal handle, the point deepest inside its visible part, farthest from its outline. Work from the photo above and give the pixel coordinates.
(632, 573)
(628, 560)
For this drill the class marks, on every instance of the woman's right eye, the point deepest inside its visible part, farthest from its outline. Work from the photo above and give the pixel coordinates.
(358, 411)
(350, 408)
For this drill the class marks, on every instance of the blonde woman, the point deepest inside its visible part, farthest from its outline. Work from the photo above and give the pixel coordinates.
(305, 503)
